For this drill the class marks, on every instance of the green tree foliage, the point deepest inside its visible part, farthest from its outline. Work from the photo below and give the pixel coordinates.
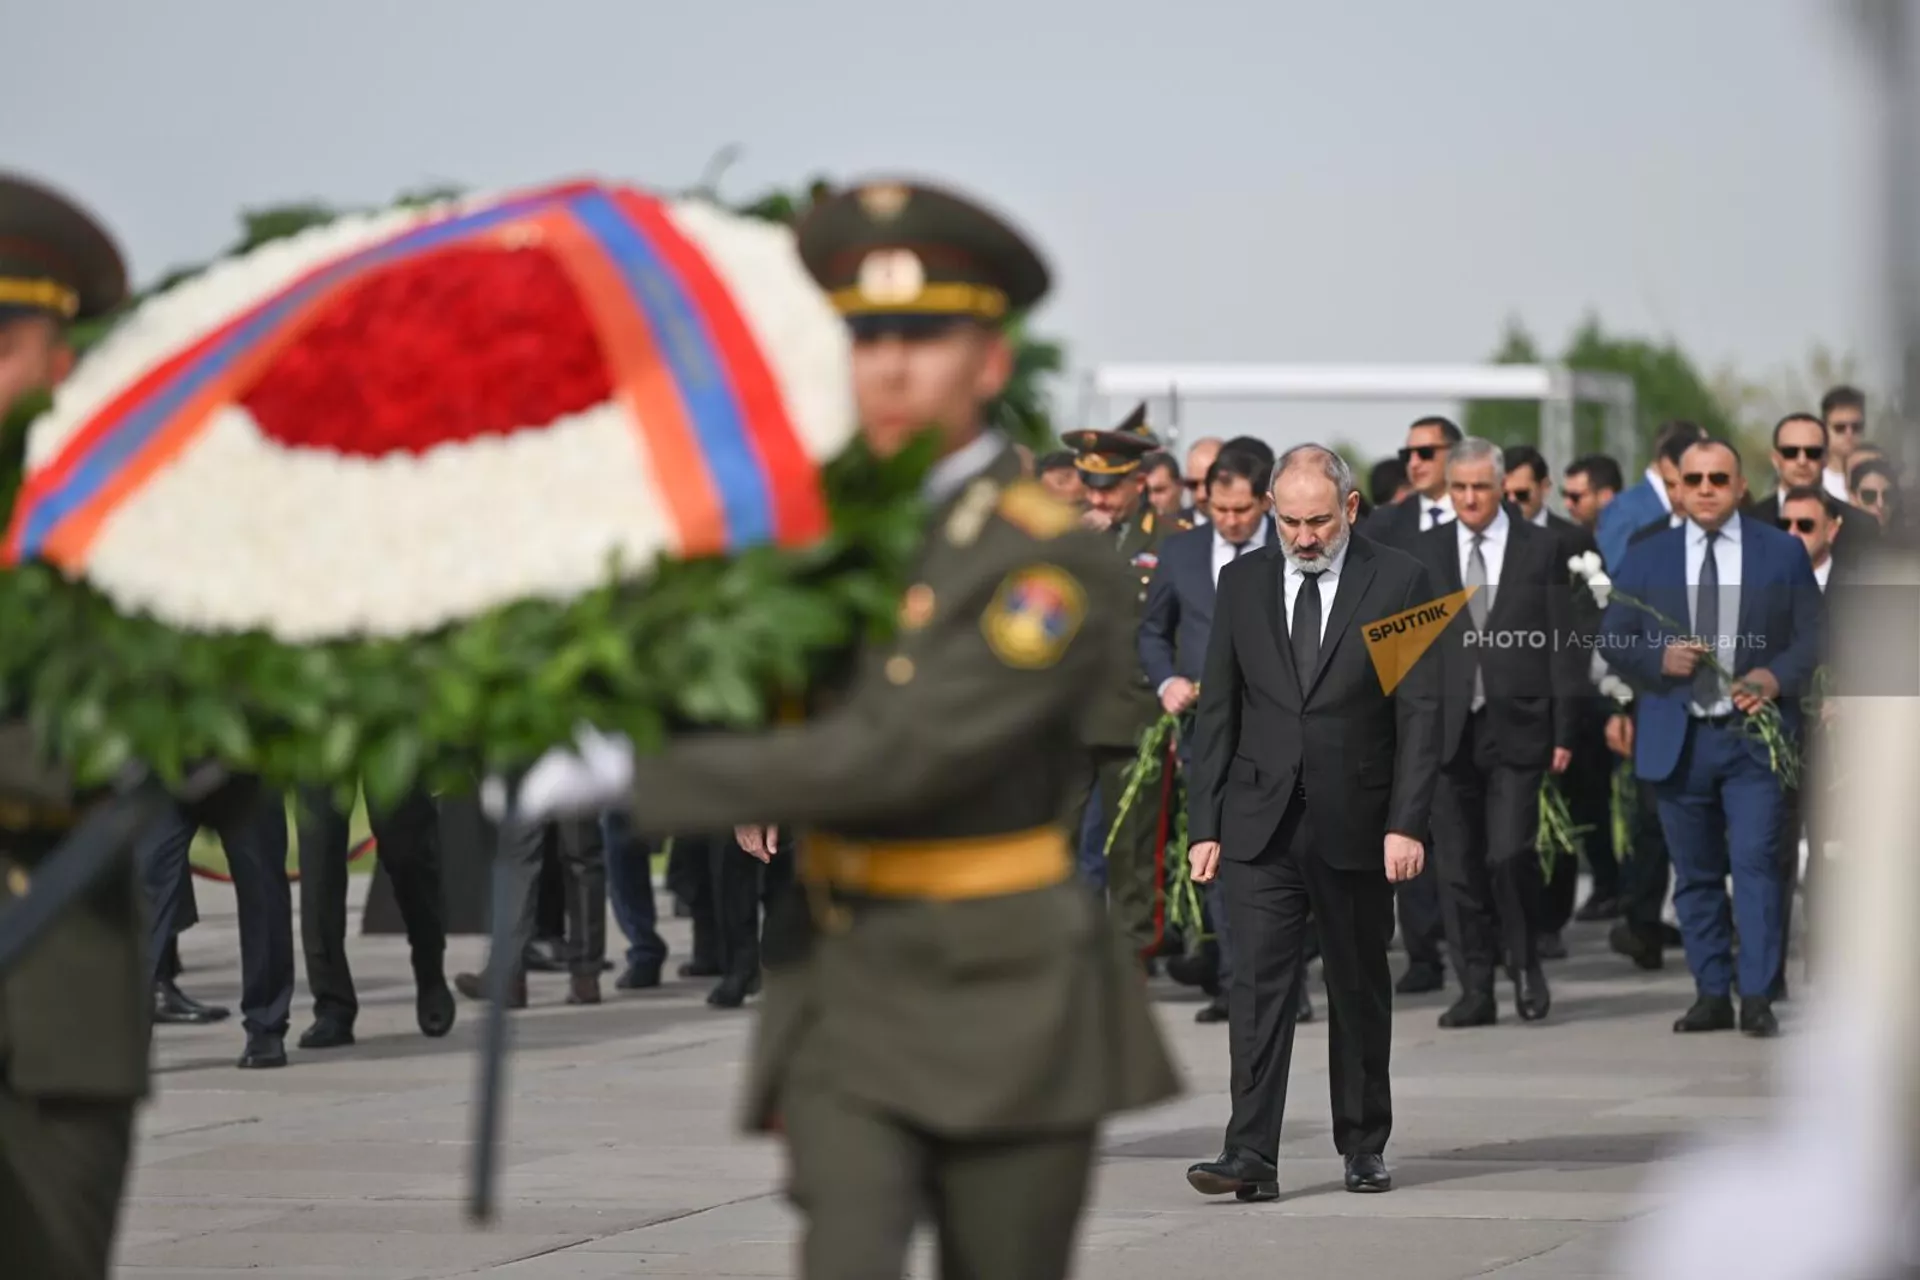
(1666, 382)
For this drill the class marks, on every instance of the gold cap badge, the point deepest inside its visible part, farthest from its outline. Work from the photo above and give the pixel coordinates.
(884, 201)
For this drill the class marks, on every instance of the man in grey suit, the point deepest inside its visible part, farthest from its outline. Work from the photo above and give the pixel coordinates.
(1173, 638)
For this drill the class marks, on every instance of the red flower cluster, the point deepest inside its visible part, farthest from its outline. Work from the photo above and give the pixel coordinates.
(467, 342)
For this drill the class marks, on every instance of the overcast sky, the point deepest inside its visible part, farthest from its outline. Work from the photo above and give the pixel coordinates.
(1213, 180)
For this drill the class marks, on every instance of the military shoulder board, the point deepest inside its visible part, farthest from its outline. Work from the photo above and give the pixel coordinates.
(1027, 506)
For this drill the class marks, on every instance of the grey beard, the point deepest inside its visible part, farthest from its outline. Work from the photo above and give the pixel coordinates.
(1329, 552)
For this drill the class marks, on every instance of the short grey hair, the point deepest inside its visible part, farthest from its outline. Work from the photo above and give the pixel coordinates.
(1317, 458)
(1474, 449)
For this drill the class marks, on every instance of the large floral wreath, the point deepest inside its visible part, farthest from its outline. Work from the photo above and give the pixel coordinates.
(407, 497)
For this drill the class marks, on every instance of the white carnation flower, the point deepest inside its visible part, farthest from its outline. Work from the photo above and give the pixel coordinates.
(1616, 688)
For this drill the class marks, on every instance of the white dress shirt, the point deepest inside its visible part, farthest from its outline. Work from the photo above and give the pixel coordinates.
(1835, 483)
(1727, 557)
(1224, 552)
(1493, 546)
(1659, 489)
(1427, 519)
(1823, 571)
(1329, 584)
(1540, 517)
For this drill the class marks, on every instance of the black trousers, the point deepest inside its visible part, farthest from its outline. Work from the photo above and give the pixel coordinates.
(252, 825)
(1645, 873)
(1588, 783)
(1422, 925)
(1268, 900)
(582, 849)
(690, 877)
(1485, 815)
(408, 840)
(741, 889)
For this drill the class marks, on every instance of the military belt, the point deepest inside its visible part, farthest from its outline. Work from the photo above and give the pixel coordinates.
(939, 870)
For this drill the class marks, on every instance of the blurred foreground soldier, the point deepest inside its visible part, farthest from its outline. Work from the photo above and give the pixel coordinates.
(1123, 706)
(947, 1018)
(74, 1012)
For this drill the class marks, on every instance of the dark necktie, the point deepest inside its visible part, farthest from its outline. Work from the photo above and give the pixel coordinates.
(1706, 625)
(1306, 629)
(1434, 511)
(1239, 549)
(1479, 604)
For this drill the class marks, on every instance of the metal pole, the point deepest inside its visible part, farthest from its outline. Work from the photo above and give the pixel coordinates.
(501, 968)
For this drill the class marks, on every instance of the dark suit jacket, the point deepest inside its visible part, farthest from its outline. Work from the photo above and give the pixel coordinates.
(1642, 504)
(1368, 759)
(1179, 612)
(1395, 526)
(1778, 628)
(1530, 660)
(1859, 529)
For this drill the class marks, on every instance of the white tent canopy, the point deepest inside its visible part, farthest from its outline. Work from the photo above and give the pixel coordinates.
(1555, 387)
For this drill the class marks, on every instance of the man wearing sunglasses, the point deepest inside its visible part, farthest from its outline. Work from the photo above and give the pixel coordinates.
(1200, 457)
(1843, 412)
(1429, 442)
(1746, 593)
(1800, 450)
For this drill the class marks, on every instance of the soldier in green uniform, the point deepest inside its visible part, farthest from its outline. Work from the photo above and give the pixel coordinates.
(74, 1011)
(947, 1016)
(1124, 706)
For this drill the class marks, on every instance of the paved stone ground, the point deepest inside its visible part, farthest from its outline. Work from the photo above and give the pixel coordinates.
(1517, 1149)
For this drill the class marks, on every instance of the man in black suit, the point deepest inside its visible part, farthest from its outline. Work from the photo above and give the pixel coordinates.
(1800, 445)
(1587, 784)
(1507, 671)
(1424, 457)
(1173, 638)
(1310, 792)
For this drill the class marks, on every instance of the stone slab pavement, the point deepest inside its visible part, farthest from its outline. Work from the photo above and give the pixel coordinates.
(1518, 1150)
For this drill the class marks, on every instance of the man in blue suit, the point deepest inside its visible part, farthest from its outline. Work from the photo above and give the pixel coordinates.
(1179, 618)
(1647, 501)
(1746, 594)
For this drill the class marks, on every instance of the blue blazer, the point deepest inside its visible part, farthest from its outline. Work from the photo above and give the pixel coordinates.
(1179, 613)
(1638, 507)
(1778, 629)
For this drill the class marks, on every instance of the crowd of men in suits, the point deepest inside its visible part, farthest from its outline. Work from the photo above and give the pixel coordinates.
(1716, 609)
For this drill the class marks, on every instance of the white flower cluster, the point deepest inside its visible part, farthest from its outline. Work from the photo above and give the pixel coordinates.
(1614, 687)
(1588, 568)
(240, 531)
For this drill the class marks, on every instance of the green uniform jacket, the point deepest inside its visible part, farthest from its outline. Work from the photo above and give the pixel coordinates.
(1006, 1014)
(1123, 707)
(75, 1012)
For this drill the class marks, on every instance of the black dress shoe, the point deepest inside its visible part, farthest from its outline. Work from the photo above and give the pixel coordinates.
(1368, 1173)
(1637, 943)
(1709, 1013)
(1777, 993)
(1242, 1174)
(1550, 946)
(1672, 939)
(639, 977)
(1305, 1012)
(1214, 1010)
(732, 992)
(1757, 1018)
(583, 988)
(699, 969)
(542, 958)
(1597, 908)
(172, 1005)
(1196, 969)
(474, 987)
(1474, 1009)
(326, 1033)
(1530, 994)
(433, 1007)
(1420, 978)
(263, 1053)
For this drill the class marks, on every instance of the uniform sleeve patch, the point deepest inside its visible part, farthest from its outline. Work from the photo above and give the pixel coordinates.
(1030, 508)
(1034, 616)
